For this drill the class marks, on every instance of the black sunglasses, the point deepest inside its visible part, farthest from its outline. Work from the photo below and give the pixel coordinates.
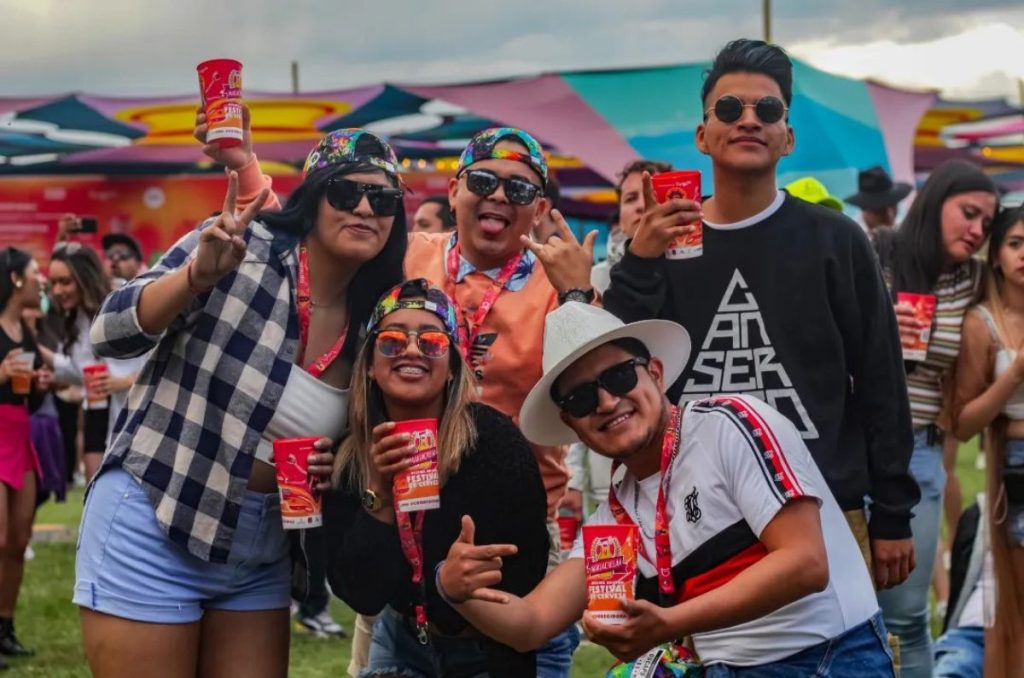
(344, 194)
(618, 380)
(519, 191)
(729, 109)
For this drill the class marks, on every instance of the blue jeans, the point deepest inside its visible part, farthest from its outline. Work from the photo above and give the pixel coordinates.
(394, 650)
(860, 652)
(960, 653)
(905, 607)
(554, 659)
(1015, 510)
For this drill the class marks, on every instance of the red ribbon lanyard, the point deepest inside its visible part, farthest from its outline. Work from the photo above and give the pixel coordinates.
(305, 303)
(468, 331)
(662, 541)
(411, 538)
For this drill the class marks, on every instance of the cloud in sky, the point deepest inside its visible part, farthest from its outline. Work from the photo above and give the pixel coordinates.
(129, 47)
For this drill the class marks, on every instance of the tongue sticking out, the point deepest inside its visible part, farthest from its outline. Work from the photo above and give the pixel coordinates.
(492, 225)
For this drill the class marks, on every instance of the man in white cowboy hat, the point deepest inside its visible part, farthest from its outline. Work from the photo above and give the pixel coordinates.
(761, 567)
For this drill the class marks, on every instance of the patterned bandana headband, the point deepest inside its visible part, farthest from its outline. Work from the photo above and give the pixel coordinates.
(340, 147)
(417, 294)
(482, 147)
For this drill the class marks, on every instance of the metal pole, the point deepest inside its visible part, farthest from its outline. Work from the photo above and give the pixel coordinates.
(766, 15)
(295, 77)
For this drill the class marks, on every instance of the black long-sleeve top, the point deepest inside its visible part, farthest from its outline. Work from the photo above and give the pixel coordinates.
(28, 343)
(499, 485)
(793, 310)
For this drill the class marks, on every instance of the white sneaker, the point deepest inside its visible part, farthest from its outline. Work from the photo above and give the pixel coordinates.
(323, 625)
(29, 553)
(78, 479)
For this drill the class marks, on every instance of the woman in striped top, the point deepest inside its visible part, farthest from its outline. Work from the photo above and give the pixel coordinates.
(932, 253)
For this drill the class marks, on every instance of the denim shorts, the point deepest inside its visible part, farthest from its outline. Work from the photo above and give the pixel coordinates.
(126, 566)
(858, 653)
(396, 651)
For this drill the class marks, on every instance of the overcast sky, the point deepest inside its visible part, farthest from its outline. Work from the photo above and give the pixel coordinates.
(125, 47)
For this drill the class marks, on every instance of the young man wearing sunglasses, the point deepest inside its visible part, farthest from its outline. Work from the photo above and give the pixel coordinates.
(786, 303)
(754, 558)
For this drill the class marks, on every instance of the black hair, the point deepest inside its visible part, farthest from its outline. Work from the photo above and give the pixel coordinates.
(92, 280)
(650, 166)
(553, 191)
(444, 210)
(374, 277)
(12, 260)
(634, 347)
(1001, 225)
(751, 56)
(913, 254)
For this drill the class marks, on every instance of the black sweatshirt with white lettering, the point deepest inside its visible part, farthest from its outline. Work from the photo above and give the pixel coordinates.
(790, 306)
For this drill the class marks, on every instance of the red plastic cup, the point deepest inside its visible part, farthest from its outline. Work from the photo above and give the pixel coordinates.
(90, 374)
(610, 555)
(568, 526)
(683, 184)
(418, 488)
(220, 85)
(300, 501)
(924, 310)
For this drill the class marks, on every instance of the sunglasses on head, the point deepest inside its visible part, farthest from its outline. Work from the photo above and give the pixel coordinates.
(345, 195)
(519, 191)
(618, 380)
(431, 343)
(729, 109)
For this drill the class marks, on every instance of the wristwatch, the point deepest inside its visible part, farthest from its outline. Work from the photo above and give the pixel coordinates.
(372, 501)
(576, 294)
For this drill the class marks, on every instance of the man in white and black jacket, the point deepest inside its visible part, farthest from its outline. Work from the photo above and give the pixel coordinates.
(786, 303)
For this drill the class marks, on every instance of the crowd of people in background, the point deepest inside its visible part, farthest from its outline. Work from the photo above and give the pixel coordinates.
(750, 410)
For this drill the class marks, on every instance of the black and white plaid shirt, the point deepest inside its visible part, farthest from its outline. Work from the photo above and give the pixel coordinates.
(198, 408)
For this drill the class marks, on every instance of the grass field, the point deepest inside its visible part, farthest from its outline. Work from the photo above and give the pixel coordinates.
(48, 622)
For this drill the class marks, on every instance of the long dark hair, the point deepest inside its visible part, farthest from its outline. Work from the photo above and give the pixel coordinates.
(914, 255)
(92, 280)
(374, 277)
(12, 260)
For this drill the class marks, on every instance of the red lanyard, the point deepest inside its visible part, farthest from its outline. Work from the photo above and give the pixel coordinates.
(662, 541)
(305, 303)
(468, 331)
(411, 538)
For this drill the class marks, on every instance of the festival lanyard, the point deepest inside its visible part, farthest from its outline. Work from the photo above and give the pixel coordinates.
(662, 540)
(468, 330)
(411, 538)
(305, 303)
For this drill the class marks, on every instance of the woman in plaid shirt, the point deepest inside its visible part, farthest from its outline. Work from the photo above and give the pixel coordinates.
(183, 566)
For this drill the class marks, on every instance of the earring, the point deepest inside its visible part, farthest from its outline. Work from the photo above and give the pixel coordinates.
(18, 285)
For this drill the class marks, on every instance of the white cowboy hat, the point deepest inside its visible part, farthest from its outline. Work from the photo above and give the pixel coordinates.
(573, 330)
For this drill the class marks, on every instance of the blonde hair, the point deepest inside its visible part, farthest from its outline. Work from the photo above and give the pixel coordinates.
(456, 432)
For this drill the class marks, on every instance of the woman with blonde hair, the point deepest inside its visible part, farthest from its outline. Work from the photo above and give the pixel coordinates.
(990, 398)
(383, 561)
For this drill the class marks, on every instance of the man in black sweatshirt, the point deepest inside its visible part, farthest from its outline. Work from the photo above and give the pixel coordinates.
(786, 303)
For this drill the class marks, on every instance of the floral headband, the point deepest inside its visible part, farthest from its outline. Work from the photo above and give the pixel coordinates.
(482, 147)
(420, 295)
(339, 147)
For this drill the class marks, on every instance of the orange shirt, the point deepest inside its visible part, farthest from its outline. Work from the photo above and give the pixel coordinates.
(506, 356)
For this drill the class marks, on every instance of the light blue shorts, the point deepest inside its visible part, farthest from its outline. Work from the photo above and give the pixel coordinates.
(127, 566)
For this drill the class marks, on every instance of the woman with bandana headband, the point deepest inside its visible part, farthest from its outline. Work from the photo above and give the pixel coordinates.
(383, 561)
(254, 320)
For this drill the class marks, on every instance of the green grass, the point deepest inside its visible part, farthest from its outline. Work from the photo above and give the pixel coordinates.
(49, 622)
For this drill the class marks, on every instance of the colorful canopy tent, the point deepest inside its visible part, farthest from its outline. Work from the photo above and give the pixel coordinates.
(599, 120)
(988, 132)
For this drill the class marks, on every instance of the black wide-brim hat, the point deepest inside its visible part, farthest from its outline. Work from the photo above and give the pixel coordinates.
(876, 190)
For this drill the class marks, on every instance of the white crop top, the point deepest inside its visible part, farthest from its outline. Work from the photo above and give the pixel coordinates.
(308, 408)
(1014, 407)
